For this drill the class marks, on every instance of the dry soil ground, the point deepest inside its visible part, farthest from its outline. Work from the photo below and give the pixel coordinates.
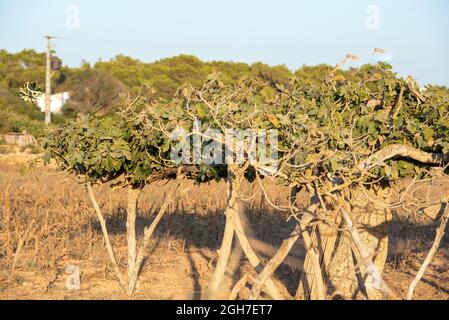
(53, 218)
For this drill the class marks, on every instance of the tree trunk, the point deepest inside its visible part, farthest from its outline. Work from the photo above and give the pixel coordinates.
(319, 242)
(107, 241)
(339, 257)
(236, 219)
(322, 242)
(228, 235)
(234, 224)
(133, 194)
(148, 232)
(345, 272)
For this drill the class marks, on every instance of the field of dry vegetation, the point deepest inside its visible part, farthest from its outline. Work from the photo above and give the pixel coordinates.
(48, 223)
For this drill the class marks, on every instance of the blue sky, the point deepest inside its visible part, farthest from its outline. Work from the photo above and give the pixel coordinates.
(275, 32)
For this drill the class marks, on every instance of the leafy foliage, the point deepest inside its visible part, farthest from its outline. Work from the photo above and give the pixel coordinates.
(325, 129)
(104, 149)
(335, 126)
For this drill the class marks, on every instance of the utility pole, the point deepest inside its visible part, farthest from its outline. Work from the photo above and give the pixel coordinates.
(48, 74)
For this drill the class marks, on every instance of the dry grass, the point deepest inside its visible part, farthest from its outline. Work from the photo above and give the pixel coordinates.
(48, 223)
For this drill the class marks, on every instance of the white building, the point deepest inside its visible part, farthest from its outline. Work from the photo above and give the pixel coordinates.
(57, 100)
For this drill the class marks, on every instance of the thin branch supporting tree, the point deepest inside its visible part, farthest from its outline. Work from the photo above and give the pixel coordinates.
(135, 258)
(228, 235)
(234, 224)
(133, 196)
(436, 243)
(312, 273)
(104, 230)
(308, 287)
(274, 262)
(301, 229)
(372, 274)
(253, 259)
(312, 266)
(147, 236)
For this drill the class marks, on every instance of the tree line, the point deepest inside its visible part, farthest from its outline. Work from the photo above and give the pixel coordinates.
(103, 86)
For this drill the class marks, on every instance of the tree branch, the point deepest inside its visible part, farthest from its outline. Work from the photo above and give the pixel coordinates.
(436, 243)
(105, 235)
(405, 151)
(147, 236)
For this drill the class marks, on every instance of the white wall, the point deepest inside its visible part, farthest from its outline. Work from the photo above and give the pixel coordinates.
(57, 100)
